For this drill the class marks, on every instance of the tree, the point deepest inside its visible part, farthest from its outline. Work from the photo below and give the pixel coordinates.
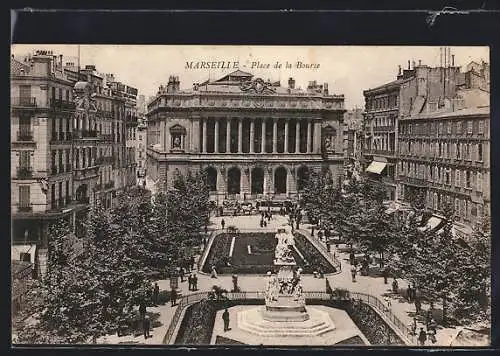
(62, 302)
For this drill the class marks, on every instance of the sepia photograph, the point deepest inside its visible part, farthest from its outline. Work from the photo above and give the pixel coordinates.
(198, 195)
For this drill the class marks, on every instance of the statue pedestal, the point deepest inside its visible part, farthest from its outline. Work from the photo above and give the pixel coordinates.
(287, 307)
(285, 271)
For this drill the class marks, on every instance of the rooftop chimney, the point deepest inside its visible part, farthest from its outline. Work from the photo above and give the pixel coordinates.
(325, 89)
(291, 83)
(452, 60)
(399, 69)
(409, 64)
(419, 62)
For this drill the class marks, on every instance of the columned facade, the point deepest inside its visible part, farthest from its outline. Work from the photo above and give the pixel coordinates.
(252, 145)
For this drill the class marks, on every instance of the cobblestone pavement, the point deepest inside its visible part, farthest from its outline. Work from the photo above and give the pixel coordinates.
(372, 285)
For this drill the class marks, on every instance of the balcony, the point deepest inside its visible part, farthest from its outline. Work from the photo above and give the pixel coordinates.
(25, 135)
(25, 207)
(416, 181)
(24, 172)
(24, 102)
(62, 104)
(83, 200)
(85, 134)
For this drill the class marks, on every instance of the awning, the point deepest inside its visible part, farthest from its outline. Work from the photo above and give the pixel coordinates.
(476, 199)
(17, 250)
(432, 223)
(376, 167)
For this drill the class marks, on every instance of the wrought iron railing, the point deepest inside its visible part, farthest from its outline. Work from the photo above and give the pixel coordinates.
(24, 172)
(25, 135)
(24, 101)
(389, 317)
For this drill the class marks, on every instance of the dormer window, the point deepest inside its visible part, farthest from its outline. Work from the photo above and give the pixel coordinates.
(177, 138)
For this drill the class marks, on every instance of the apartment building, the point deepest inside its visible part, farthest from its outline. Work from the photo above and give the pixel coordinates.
(444, 140)
(68, 145)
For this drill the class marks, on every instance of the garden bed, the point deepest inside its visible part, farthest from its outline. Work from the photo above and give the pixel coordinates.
(260, 258)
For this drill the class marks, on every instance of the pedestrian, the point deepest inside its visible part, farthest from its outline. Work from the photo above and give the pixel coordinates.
(213, 274)
(192, 261)
(312, 231)
(173, 297)
(146, 325)
(225, 318)
(418, 305)
(385, 273)
(261, 222)
(395, 286)
(265, 223)
(182, 274)
(195, 282)
(422, 337)
(142, 310)
(206, 230)
(351, 258)
(235, 282)
(413, 291)
(409, 293)
(190, 282)
(353, 273)
(222, 223)
(156, 293)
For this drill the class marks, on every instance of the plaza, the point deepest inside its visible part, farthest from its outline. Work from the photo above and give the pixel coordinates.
(241, 210)
(399, 307)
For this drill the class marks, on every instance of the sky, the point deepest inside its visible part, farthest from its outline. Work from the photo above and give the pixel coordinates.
(348, 70)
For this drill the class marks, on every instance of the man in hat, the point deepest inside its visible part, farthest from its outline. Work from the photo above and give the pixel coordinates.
(146, 325)
(225, 318)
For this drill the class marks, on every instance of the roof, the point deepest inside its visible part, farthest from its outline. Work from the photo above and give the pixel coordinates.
(389, 85)
(483, 110)
(16, 67)
(474, 97)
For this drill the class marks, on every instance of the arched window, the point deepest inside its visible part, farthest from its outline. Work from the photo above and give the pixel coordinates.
(211, 178)
(177, 137)
(329, 138)
(302, 177)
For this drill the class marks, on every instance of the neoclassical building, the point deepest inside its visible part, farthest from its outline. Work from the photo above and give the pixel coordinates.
(254, 138)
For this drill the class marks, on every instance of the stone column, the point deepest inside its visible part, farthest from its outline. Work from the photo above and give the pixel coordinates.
(275, 135)
(164, 135)
(216, 136)
(263, 138)
(204, 148)
(195, 136)
(297, 137)
(240, 134)
(317, 137)
(243, 177)
(308, 150)
(286, 137)
(228, 135)
(252, 136)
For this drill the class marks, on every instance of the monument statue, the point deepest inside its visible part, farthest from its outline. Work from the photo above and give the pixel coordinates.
(283, 253)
